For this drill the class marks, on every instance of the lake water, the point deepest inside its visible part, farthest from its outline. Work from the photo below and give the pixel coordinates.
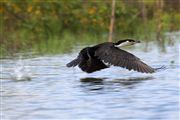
(42, 87)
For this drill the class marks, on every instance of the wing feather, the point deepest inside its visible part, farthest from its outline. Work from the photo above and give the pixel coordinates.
(119, 57)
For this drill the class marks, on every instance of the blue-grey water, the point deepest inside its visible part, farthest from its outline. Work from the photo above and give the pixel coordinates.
(42, 87)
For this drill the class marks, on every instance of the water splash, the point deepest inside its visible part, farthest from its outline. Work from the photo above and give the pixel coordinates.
(21, 72)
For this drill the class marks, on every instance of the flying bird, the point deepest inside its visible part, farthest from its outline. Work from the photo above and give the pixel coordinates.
(101, 56)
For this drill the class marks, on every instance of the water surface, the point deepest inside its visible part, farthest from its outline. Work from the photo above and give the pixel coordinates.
(42, 87)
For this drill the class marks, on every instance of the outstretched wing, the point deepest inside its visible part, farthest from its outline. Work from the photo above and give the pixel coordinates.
(118, 57)
(73, 63)
(81, 57)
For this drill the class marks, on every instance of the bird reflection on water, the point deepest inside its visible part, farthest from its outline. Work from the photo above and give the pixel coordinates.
(94, 84)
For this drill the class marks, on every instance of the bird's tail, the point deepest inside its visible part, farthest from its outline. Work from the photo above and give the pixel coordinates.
(73, 63)
(160, 68)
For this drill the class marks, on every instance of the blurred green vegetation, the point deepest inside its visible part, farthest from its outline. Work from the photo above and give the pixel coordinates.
(56, 25)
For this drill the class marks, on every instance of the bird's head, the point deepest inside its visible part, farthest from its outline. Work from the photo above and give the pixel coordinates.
(126, 42)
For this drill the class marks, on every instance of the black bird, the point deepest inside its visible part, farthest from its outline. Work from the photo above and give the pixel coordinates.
(101, 56)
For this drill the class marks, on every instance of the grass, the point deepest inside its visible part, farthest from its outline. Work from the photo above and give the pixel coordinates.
(24, 40)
